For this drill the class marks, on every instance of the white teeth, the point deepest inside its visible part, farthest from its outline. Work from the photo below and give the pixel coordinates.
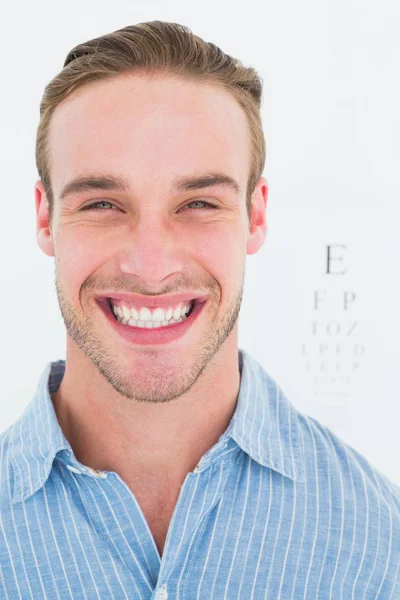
(144, 314)
(158, 315)
(150, 319)
(151, 324)
(177, 312)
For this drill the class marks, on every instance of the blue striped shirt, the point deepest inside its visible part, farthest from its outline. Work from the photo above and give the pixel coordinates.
(278, 508)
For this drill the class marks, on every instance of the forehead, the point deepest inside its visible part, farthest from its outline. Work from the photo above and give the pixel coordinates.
(149, 129)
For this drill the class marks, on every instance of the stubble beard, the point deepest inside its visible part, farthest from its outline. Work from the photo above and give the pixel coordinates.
(163, 381)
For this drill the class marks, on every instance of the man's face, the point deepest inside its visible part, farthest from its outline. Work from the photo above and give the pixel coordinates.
(153, 240)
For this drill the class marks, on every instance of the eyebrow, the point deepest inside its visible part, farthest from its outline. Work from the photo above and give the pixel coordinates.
(120, 184)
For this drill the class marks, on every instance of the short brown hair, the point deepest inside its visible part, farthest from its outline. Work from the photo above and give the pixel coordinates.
(154, 47)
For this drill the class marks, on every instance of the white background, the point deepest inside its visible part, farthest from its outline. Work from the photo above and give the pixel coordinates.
(331, 119)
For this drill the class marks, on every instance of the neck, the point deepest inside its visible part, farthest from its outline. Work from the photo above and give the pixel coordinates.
(129, 437)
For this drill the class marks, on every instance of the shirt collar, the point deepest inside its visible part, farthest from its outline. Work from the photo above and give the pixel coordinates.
(264, 425)
(37, 437)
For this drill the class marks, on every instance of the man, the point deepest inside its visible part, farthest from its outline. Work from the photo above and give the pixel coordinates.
(159, 460)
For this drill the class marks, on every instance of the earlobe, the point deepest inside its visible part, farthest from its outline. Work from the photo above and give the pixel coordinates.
(258, 223)
(43, 230)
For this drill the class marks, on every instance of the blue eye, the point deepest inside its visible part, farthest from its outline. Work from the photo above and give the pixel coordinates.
(209, 206)
(91, 206)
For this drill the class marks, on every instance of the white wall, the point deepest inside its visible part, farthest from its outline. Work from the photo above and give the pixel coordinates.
(331, 118)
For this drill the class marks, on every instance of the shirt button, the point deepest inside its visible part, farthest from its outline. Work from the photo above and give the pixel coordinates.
(97, 473)
(162, 593)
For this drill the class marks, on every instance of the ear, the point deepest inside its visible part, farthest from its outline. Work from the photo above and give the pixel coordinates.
(258, 220)
(43, 231)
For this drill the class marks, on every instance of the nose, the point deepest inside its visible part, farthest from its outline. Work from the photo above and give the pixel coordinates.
(152, 251)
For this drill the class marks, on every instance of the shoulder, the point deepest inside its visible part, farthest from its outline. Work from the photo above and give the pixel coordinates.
(350, 487)
(323, 448)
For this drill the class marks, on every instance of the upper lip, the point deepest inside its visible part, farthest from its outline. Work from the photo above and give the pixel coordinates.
(153, 301)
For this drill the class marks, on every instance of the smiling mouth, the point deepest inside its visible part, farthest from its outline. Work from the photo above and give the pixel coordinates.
(151, 323)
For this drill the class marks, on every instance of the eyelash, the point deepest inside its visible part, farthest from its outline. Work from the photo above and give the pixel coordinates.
(91, 206)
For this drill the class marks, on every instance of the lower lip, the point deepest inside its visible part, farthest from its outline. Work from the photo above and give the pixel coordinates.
(144, 336)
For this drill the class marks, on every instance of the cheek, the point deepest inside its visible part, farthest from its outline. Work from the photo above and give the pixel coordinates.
(79, 256)
(218, 250)
(223, 254)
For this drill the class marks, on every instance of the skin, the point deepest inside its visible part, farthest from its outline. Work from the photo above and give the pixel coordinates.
(149, 413)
